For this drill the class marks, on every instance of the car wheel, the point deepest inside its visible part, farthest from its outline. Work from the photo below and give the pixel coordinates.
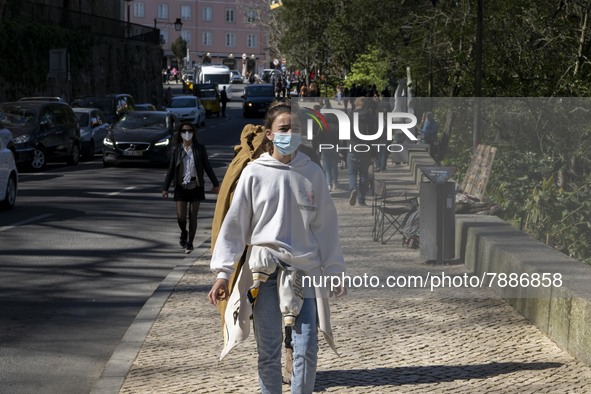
(10, 198)
(107, 164)
(74, 155)
(39, 159)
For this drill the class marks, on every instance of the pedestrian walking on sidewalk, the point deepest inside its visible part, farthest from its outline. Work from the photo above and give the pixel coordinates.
(224, 100)
(188, 162)
(358, 162)
(281, 204)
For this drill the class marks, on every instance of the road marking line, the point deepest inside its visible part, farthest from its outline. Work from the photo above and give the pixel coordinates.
(121, 191)
(25, 222)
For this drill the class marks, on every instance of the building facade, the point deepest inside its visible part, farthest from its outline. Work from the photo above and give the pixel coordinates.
(230, 32)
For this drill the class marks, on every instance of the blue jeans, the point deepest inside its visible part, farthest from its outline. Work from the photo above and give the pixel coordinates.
(330, 164)
(268, 330)
(358, 165)
(382, 159)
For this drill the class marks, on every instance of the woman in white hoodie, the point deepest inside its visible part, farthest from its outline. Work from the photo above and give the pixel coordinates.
(282, 207)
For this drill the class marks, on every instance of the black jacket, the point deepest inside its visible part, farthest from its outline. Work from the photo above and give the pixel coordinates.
(175, 168)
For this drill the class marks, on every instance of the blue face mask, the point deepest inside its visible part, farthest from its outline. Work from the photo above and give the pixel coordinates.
(287, 143)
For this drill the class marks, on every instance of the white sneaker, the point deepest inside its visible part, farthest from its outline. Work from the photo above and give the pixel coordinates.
(353, 197)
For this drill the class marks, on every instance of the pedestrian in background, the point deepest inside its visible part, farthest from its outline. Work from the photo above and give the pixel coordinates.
(358, 162)
(279, 190)
(188, 162)
(224, 100)
(428, 132)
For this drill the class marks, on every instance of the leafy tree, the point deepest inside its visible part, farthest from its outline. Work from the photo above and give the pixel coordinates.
(179, 50)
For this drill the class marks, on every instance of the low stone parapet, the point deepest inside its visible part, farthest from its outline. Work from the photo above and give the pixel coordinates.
(558, 302)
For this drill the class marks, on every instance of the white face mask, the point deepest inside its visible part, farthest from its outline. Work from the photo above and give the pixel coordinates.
(187, 135)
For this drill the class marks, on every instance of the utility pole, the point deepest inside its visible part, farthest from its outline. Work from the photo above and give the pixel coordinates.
(478, 74)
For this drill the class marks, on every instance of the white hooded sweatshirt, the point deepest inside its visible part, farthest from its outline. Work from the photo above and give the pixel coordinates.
(286, 208)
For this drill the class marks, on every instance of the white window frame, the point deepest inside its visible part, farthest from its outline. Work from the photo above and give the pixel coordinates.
(186, 12)
(251, 40)
(165, 36)
(162, 11)
(230, 40)
(207, 39)
(230, 15)
(139, 10)
(186, 36)
(251, 16)
(206, 14)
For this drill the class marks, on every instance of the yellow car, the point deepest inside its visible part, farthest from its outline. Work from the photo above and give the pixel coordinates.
(210, 98)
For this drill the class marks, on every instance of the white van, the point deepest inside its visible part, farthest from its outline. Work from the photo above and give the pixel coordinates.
(213, 73)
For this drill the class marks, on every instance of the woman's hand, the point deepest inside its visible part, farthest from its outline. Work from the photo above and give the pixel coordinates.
(219, 291)
(215, 190)
(165, 194)
(339, 291)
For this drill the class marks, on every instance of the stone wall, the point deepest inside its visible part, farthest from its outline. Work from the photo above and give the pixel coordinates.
(489, 246)
(117, 66)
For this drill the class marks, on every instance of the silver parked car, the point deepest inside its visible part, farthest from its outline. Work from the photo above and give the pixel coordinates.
(93, 130)
(8, 177)
(188, 109)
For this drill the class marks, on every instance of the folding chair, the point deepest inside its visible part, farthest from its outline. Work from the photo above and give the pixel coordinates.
(390, 213)
(379, 193)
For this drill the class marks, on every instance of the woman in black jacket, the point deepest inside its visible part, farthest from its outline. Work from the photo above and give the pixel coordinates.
(188, 162)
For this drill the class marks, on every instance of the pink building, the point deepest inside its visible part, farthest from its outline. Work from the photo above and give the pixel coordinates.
(229, 32)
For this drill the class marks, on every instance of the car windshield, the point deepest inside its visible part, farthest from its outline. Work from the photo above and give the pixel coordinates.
(104, 104)
(144, 121)
(216, 78)
(183, 103)
(82, 118)
(207, 93)
(16, 116)
(260, 91)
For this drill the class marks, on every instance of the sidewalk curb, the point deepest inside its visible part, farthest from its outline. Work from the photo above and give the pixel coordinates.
(116, 369)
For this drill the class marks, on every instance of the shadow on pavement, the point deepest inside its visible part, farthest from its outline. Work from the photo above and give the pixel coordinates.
(420, 374)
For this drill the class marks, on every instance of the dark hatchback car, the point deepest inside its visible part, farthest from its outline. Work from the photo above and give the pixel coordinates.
(256, 99)
(43, 131)
(140, 137)
(112, 105)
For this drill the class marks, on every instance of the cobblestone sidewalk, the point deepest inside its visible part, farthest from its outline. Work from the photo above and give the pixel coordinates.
(390, 340)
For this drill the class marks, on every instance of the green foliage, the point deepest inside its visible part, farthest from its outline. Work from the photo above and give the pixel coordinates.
(509, 186)
(561, 218)
(179, 49)
(542, 170)
(369, 69)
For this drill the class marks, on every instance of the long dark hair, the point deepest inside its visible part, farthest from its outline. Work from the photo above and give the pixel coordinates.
(177, 139)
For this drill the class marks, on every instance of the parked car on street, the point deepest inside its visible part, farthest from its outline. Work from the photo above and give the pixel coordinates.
(210, 98)
(266, 74)
(112, 105)
(145, 107)
(53, 98)
(140, 137)
(93, 130)
(236, 77)
(42, 131)
(256, 99)
(6, 136)
(188, 109)
(8, 177)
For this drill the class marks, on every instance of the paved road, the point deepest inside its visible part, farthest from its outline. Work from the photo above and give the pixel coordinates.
(80, 254)
(390, 340)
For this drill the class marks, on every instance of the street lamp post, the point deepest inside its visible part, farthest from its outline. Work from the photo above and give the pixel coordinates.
(178, 24)
(128, 27)
(406, 32)
(478, 74)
